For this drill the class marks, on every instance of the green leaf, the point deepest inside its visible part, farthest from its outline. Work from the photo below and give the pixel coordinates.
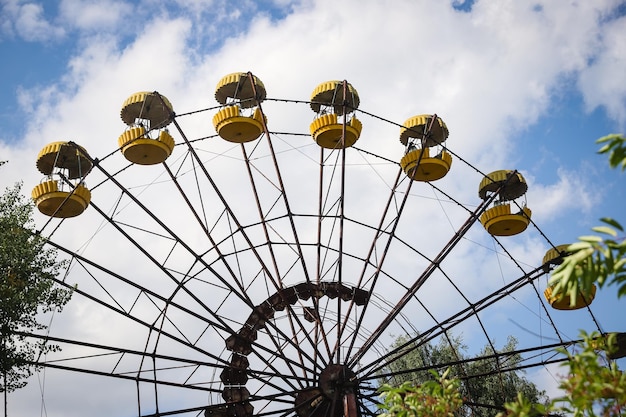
(612, 222)
(611, 137)
(574, 247)
(590, 239)
(605, 230)
(619, 265)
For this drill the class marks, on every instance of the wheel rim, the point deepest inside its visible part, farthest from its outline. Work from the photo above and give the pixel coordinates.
(216, 243)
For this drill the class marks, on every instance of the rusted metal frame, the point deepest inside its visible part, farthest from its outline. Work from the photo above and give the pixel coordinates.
(350, 405)
(391, 233)
(121, 351)
(511, 257)
(342, 203)
(454, 320)
(320, 331)
(175, 412)
(520, 367)
(95, 162)
(279, 285)
(72, 187)
(480, 322)
(280, 180)
(284, 412)
(148, 292)
(445, 334)
(423, 277)
(482, 326)
(377, 272)
(126, 377)
(180, 285)
(379, 232)
(221, 197)
(275, 397)
(545, 309)
(224, 363)
(147, 325)
(373, 398)
(469, 403)
(206, 232)
(227, 265)
(232, 215)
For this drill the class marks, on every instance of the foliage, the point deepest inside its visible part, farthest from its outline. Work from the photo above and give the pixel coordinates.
(523, 407)
(590, 388)
(615, 147)
(599, 259)
(26, 289)
(480, 381)
(594, 259)
(437, 397)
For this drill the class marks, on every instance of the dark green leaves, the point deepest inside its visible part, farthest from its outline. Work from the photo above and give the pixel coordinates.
(615, 147)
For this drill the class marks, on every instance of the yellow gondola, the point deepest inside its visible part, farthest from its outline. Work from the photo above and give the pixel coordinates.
(499, 220)
(420, 166)
(331, 93)
(233, 127)
(419, 134)
(145, 106)
(237, 86)
(145, 113)
(332, 100)
(236, 91)
(64, 155)
(143, 150)
(56, 203)
(552, 258)
(70, 162)
(422, 128)
(327, 132)
(564, 302)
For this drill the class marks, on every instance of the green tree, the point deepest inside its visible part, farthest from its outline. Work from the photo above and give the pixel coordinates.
(482, 384)
(26, 289)
(437, 397)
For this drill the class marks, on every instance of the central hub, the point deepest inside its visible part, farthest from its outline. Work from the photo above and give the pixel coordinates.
(336, 380)
(335, 383)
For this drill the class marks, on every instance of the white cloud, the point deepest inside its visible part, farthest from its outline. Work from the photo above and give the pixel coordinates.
(30, 22)
(573, 191)
(599, 83)
(93, 16)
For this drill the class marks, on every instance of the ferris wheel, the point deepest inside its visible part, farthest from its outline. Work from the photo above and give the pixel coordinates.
(248, 271)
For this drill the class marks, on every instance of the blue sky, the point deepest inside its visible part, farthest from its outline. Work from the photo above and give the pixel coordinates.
(521, 85)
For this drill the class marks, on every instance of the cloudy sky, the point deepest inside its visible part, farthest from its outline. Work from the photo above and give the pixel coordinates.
(526, 85)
